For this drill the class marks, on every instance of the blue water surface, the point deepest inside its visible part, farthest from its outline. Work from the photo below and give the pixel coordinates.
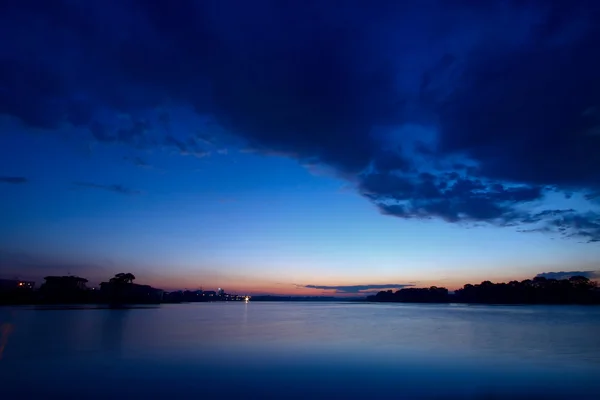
(302, 350)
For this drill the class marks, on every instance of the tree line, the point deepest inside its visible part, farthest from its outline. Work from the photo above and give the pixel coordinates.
(539, 290)
(73, 289)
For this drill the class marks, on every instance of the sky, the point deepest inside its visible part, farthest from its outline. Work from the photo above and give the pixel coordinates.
(303, 148)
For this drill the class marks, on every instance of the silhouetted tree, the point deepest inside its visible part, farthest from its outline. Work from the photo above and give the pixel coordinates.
(539, 290)
(123, 278)
(118, 288)
(413, 295)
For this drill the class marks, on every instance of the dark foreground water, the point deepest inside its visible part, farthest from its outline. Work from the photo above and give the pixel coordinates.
(302, 350)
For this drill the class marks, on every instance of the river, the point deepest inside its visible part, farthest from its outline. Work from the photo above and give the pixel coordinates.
(302, 350)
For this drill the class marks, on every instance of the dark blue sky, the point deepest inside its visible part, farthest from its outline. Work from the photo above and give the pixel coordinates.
(286, 146)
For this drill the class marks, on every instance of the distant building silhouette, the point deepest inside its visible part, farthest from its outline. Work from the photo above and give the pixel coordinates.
(64, 289)
(61, 283)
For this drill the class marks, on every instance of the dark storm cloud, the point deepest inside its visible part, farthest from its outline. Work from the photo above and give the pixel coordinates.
(356, 289)
(526, 112)
(287, 80)
(14, 180)
(567, 275)
(511, 112)
(119, 189)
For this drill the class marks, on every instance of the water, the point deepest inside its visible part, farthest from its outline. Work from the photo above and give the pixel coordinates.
(302, 350)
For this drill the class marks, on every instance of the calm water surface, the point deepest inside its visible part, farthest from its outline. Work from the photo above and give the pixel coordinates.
(302, 350)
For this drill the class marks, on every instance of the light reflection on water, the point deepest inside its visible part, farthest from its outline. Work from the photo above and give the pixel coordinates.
(304, 350)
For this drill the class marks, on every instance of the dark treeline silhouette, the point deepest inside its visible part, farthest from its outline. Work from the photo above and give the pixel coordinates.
(73, 290)
(117, 292)
(413, 295)
(55, 290)
(539, 290)
(121, 290)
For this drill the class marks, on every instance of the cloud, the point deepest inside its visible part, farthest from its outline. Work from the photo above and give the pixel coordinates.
(593, 196)
(120, 189)
(585, 225)
(568, 224)
(464, 122)
(190, 147)
(567, 275)
(357, 289)
(448, 196)
(14, 180)
(138, 162)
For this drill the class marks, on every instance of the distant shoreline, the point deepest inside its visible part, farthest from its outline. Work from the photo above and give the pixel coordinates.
(120, 292)
(577, 290)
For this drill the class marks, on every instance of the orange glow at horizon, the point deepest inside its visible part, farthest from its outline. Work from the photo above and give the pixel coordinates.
(244, 285)
(256, 287)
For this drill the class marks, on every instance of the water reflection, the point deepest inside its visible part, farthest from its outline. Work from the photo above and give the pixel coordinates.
(113, 328)
(270, 350)
(6, 329)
